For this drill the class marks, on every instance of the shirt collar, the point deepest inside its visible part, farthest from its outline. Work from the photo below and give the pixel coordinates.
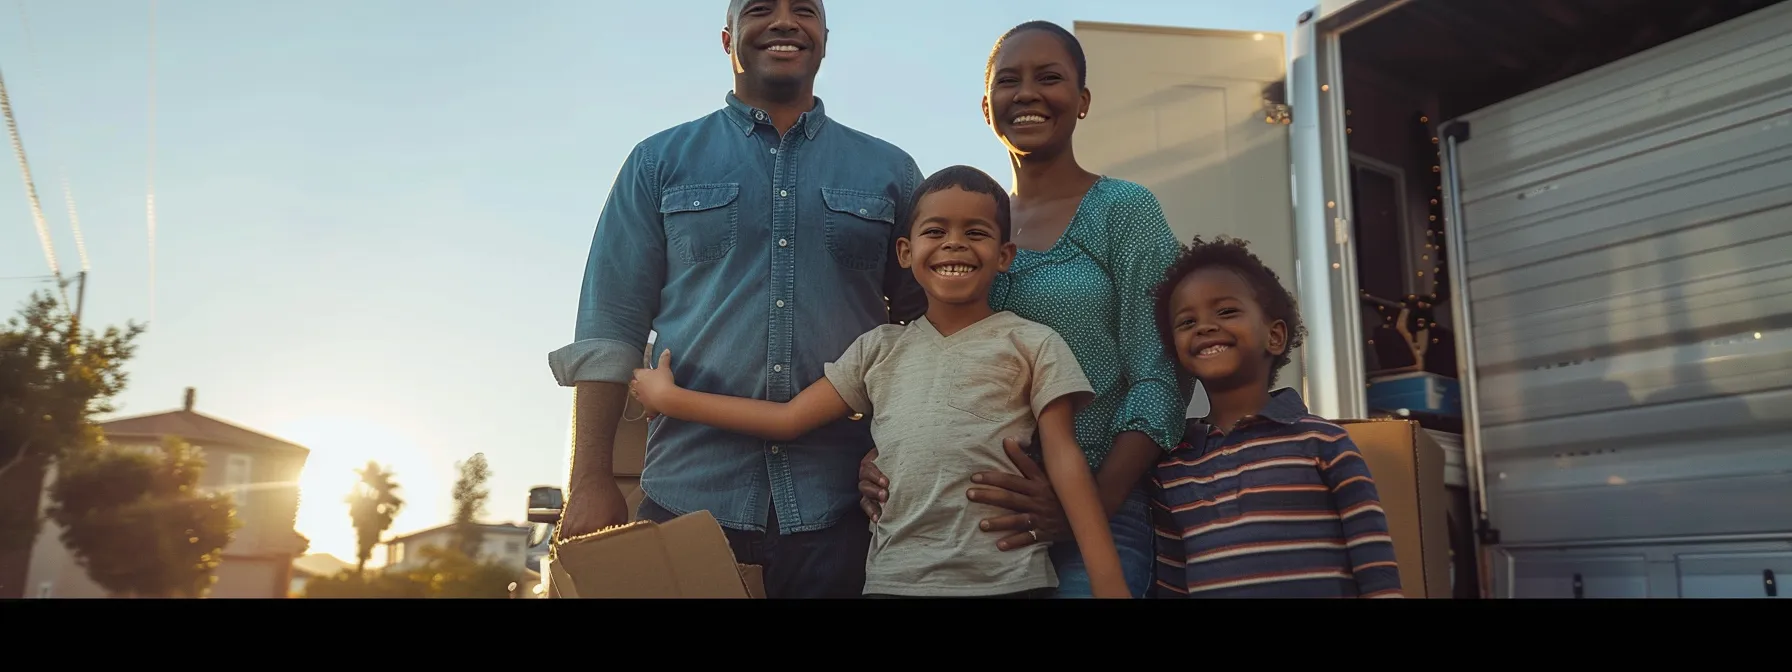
(1285, 407)
(746, 117)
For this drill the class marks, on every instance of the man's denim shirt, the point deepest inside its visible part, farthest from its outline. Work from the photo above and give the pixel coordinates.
(756, 259)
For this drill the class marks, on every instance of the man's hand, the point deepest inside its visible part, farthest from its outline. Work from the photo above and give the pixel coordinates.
(1038, 517)
(651, 386)
(592, 507)
(872, 487)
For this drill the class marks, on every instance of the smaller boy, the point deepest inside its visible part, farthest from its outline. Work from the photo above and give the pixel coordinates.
(941, 392)
(1262, 499)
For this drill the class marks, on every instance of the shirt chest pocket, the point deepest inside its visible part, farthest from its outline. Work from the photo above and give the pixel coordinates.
(990, 389)
(701, 220)
(859, 226)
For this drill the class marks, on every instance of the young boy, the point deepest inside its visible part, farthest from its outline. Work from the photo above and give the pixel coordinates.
(942, 392)
(1262, 499)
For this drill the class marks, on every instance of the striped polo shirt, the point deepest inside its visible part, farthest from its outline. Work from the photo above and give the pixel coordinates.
(1282, 506)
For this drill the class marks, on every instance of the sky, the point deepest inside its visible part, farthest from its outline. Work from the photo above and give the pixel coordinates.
(372, 216)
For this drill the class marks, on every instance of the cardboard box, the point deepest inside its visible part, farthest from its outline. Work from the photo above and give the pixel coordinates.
(687, 557)
(1408, 467)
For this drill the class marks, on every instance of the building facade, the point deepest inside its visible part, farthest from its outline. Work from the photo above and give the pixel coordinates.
(260, 471)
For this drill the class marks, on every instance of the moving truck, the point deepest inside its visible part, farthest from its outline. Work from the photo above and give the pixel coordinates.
(1556, 234)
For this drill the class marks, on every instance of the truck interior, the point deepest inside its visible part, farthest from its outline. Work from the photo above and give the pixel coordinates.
(1407, 72)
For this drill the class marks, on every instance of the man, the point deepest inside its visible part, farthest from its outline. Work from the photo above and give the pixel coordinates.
(758, 242)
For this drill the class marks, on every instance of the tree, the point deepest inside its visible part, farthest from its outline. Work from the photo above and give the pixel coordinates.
(54, 378)
(470, 495)
(372, 506)
(138, 521)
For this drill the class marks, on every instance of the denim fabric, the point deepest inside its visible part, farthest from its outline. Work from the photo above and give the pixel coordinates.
(756, 258)
(1133, 537)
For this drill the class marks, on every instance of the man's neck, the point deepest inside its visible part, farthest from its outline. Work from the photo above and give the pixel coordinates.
(785, 107)
(1036, 175)
(1230, 406)
(950, 318)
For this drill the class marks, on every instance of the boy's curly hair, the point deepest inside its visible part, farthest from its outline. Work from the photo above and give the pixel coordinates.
(1232, 254)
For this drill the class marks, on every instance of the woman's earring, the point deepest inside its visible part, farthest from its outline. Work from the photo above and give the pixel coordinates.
(1082, 115)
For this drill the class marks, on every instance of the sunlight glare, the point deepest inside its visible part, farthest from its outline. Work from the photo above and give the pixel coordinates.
(340, 445)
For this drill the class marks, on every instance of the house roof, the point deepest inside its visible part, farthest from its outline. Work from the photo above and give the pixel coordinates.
(200, 429)
(509, 528)
(319, 564)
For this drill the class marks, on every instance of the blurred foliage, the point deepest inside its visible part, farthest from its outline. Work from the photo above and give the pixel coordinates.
(371, 507)
(470, 495)
(138, 522)
(54, 378)
(444, 572)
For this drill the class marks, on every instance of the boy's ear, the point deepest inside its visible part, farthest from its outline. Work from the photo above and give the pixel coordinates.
(1009, 249)
(903, 251)
(1278, 338)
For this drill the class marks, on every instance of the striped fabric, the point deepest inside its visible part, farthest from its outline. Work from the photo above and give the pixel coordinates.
(1283, 506)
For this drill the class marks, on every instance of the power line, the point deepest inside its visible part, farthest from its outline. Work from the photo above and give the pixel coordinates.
(68, 194)
(37, 209)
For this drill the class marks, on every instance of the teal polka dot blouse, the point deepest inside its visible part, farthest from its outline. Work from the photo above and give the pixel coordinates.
(1094, 288)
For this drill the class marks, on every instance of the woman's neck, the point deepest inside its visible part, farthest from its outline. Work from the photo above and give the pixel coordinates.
(1059, 173)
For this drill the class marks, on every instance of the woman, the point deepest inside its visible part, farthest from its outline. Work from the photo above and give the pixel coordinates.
(1091, 249)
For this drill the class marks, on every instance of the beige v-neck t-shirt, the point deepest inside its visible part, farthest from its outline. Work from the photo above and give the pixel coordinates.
(940, 407)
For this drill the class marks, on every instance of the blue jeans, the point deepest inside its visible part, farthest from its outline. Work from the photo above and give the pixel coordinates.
(1134, 539)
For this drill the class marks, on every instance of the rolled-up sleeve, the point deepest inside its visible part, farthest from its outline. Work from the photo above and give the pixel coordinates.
(1157, 393)
(624, 272)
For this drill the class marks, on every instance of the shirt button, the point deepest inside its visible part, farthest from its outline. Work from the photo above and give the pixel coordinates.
(782, 193)
(783, 243)
(759, 115)
(774, 150)
(861, 211)
(780, 303)
(696, 203)
(777, 368)
(777, 449)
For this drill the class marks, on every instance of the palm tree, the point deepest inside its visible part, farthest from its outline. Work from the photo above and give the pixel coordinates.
(372, 506)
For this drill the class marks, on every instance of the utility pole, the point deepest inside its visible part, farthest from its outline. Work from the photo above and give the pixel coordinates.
(80, 294)
(74, 326)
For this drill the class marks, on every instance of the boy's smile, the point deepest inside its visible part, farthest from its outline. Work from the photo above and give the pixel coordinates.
(955, 247)
(1222, 335)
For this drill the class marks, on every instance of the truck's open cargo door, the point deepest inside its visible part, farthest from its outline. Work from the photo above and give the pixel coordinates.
(1197, 116)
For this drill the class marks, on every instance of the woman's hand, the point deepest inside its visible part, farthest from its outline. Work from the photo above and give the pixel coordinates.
(1038, 516)
(651, 386)
(872, 487)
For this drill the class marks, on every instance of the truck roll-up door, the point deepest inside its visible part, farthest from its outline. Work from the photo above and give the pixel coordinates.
(1627, 240)
(1193, 115)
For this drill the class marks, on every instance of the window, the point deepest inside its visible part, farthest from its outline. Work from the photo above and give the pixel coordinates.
(236, 481)
(141, 448)
(1384, 244)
